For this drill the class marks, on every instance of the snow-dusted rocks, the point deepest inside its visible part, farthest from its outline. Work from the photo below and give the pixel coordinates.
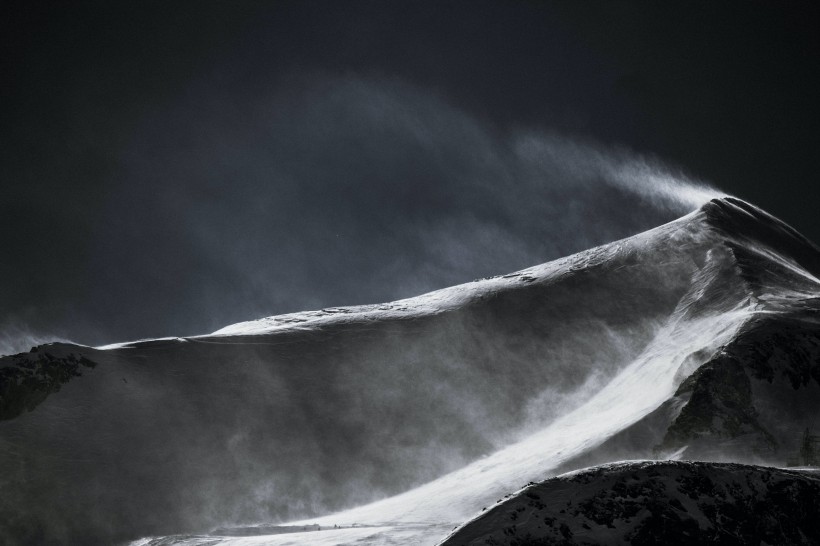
(649, 503)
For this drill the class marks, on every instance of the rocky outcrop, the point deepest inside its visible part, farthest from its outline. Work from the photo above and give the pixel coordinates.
(754, 398)
(27, 379)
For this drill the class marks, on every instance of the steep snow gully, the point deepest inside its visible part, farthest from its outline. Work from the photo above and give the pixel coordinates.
(395, 423)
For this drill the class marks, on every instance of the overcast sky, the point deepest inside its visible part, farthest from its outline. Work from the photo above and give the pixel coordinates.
(169, 168)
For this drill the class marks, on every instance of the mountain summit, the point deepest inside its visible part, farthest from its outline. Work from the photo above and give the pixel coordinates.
(696, 339)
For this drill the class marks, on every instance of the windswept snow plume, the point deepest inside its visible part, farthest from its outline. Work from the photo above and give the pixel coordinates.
(322, 190)
(646, 177)
(287, 199)
(17, 337)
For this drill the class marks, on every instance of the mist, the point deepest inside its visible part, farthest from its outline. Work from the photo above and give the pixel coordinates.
(229, 204)
(17, 337)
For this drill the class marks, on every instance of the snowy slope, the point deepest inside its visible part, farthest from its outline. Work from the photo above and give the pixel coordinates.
(437, 405)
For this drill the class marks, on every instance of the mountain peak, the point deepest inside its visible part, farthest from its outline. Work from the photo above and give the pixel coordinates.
(756, 229)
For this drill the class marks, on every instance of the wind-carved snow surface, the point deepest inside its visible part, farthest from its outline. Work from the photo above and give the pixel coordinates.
(707, 316)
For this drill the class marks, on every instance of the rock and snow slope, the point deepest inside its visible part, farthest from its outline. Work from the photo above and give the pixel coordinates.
(652, 503)
(438, 405)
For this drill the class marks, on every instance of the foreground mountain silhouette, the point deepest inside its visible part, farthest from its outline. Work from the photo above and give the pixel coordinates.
(698, 339)
(656, 503)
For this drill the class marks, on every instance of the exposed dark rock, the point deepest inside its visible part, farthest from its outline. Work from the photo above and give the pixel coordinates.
(722, 403)
(649, 503)
(26, 379)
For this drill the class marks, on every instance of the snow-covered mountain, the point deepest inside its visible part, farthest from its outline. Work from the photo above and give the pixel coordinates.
(394, 423)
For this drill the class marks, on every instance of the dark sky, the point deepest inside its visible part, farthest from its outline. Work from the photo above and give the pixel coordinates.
(169, 168)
